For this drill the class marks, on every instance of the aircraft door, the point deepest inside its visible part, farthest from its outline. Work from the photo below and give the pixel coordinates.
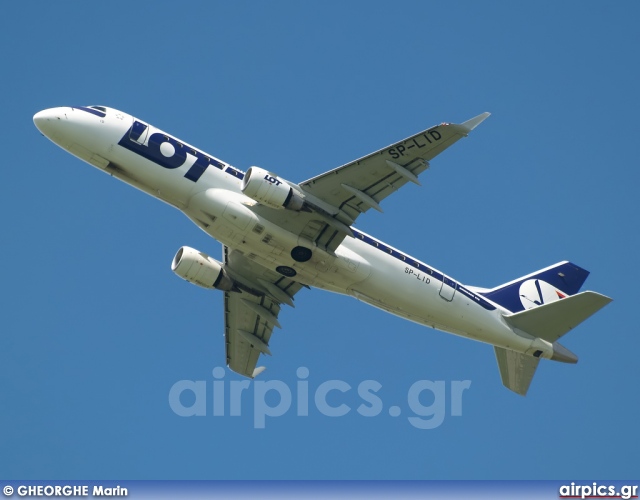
(448, 288)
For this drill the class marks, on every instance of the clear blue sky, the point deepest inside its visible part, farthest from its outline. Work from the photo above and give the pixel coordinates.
(96, 329)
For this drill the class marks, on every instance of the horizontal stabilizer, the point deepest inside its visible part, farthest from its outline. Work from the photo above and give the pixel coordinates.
(551, 321)
(516, 369)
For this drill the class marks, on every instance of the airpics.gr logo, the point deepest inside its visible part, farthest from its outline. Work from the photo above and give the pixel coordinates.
(534, 293)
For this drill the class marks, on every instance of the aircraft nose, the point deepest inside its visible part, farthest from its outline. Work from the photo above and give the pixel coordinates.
(45, 120)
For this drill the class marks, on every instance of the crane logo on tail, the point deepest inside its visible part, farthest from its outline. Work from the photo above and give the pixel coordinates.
(534, 293)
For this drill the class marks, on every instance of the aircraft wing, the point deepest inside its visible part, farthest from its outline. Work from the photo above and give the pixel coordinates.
(251, 314)
(362, 184)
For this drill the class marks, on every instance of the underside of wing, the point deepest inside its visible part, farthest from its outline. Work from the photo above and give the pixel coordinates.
(315, 228)
(251, 314)
(360, 185)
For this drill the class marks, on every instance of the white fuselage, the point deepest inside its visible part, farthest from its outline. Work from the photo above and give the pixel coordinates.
(208, 191)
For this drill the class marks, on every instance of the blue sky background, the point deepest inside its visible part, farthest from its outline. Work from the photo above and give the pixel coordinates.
(96, 329)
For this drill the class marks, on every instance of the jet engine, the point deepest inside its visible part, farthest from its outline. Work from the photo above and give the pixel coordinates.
(268, 189)
(200, 269)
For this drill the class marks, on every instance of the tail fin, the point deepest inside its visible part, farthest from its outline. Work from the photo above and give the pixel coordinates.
(549, 322)
(536, 309)
(542, 287)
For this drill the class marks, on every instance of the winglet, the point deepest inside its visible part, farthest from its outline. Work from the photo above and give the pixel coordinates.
(469, 125)
(258, 371)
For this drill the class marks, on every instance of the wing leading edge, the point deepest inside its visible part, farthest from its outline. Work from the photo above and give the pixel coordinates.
(334, 200)
(356, 187)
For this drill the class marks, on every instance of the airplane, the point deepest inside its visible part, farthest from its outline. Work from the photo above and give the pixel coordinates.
(279, 237)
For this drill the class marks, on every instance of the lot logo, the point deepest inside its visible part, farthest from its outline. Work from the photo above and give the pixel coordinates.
(167, 151)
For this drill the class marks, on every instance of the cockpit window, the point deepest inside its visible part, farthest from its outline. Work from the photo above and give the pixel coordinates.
(100, 111)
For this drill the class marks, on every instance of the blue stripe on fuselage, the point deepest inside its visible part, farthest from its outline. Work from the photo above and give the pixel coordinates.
(235, 172)
(421, 267)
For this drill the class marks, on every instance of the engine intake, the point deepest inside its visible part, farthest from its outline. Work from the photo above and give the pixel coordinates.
(270, 190)
(200, 269)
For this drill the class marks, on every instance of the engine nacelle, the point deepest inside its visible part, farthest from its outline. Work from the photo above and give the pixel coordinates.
(268, 189)
(200, 269)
